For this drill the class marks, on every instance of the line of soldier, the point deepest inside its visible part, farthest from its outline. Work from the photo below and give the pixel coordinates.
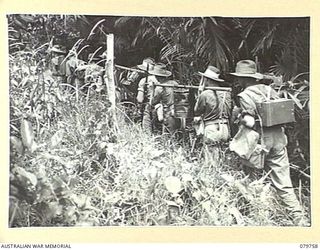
(76, 72)
(157, 101)
(213, 110)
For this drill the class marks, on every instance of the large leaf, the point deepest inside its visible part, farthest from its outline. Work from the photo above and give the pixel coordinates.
(296, 100)
(27, 135)
(17, 144)
(25, 178)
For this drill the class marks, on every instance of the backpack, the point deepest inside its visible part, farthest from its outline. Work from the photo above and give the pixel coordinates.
(272, 111)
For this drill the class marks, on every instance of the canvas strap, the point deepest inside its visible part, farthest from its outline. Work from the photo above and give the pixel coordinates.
(221, 108)
(257, 113)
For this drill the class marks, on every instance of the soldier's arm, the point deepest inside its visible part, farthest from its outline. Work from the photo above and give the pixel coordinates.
(247, 106)
(141, 84)
(140, 94)
(200, 106)
(157, 96)
(248, 111)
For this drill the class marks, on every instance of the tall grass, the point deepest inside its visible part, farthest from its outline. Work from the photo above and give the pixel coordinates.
(84, 171)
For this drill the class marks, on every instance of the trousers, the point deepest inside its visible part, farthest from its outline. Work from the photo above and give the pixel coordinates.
(147, 119)
(171, 123)
(277, 160)
(215, 131)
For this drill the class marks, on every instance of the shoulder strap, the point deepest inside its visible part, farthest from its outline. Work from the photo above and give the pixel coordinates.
(218, 101)
(266, 97)
(260, 92)
(222, 104)
(257, 113)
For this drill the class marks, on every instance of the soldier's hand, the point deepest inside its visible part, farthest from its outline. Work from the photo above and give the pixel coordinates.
(140, 96)
(201, 89)
(197, 119)
(248, 121)
(150, 84)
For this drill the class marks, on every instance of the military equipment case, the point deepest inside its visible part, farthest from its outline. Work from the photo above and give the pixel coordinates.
(275, 112)
(181, 103)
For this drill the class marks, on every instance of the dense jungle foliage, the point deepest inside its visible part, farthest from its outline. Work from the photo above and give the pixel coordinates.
(70, 166)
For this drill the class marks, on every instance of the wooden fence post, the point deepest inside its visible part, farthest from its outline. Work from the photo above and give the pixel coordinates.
(109, 79)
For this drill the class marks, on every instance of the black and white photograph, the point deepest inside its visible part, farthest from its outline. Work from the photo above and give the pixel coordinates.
(156, 121)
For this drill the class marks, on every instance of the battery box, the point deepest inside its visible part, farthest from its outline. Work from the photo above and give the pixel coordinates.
(275, 112)
(181, 104)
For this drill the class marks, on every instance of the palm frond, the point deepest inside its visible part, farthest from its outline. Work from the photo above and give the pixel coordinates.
(94, 27)
(285, 65)
(123, 21)
(266, 41)
(244, 28)
(83, 18)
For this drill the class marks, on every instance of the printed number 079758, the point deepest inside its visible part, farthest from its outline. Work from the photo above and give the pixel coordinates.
(306, 246)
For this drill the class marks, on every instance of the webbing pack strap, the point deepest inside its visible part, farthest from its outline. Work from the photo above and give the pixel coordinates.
(259, 117)
(222, 105)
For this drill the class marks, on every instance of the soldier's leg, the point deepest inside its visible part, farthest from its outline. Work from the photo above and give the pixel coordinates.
(140, 110)
(147, 119)
(211, 139)
(278, 161)
(216, 132)
(173, 124)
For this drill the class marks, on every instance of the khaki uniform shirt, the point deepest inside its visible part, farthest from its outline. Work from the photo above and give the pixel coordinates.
(164, 95)
(144, 87)
(254, 94)
(211, 103)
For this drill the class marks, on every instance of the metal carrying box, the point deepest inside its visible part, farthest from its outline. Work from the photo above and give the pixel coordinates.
(181, 103)
(276, 112)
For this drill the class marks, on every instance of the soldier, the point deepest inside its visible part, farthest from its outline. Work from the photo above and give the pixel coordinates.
(131, 82)
(274, 138)
(94, 73)
(57, 57)
(213, 106)
(214, 109)
(58, 65)
(145, 92)
(164, 96)
(74, 69)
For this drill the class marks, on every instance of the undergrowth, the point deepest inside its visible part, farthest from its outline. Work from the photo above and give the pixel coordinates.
(71, 165)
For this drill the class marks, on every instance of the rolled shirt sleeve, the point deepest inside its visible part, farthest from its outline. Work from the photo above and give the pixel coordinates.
(254, 94)
(247, 106)
(141, 84)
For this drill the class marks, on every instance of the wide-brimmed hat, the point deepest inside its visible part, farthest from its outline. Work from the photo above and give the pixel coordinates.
(212, 73)
(147, 62)
(159, 70)
(247, 68)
